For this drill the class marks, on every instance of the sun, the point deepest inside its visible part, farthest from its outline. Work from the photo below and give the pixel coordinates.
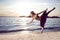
(21, 8)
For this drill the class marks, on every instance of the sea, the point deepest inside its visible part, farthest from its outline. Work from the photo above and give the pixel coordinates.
(16, 23)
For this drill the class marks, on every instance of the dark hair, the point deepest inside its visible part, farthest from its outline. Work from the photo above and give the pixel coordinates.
(32, 12)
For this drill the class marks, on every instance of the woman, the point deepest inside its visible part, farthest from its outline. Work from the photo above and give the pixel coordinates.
(41, 18)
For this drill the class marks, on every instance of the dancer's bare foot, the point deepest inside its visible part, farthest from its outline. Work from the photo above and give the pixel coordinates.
(42, 29)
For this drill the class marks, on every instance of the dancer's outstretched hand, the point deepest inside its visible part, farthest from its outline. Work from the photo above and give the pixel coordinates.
(28, 23)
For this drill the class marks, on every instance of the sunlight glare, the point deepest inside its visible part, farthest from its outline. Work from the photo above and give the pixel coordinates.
(24, 21)
(25, 28)
(25, 32)
(24, 8)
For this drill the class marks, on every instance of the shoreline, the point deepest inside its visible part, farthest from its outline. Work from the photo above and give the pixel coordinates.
(35, 35)
(48, 29)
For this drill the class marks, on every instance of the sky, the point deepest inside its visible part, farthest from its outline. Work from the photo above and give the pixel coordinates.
(24, 7)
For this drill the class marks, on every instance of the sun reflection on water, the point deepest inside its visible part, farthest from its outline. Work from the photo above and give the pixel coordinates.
(25, 28)
(24, 22)
(25, 32)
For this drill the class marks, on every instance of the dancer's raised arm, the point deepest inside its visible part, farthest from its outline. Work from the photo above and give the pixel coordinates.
(31, 20)
(42, 11)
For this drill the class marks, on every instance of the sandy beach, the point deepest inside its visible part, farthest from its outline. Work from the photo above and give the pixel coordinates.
(30, 35)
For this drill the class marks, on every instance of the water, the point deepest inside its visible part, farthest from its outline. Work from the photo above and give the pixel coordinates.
(14, 23)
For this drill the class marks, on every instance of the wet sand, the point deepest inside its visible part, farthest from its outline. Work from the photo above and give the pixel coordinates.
(30, 35)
